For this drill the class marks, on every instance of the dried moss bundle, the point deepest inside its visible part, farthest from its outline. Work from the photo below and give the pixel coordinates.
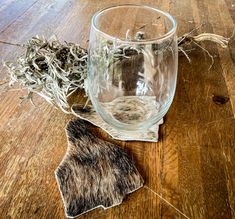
(50, 69)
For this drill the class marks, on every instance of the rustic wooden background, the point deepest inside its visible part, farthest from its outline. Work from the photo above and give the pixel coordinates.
(190, 173)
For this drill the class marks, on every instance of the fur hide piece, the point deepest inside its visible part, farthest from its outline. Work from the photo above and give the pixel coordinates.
(94, 173)
(89, 114)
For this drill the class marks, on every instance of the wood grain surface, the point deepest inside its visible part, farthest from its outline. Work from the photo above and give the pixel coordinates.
(190, 173)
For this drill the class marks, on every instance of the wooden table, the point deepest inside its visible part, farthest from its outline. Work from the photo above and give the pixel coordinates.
(190, 173)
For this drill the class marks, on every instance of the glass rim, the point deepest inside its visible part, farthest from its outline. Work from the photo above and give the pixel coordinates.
(152, 40)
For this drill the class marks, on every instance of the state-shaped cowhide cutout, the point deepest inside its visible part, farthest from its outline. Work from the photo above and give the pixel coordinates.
(89, 114)
(94, 173)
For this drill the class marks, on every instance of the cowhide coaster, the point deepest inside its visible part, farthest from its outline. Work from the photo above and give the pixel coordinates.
(93, 173)
(89, 114)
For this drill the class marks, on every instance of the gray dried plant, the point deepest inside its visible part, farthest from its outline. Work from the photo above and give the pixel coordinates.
(50, 69)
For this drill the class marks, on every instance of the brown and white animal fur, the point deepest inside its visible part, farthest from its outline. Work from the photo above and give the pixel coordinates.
(94, 173)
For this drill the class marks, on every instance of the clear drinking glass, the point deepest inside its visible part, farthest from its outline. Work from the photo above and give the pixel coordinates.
(132, 65)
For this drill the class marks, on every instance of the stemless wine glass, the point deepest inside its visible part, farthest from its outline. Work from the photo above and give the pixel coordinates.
(132, 65)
